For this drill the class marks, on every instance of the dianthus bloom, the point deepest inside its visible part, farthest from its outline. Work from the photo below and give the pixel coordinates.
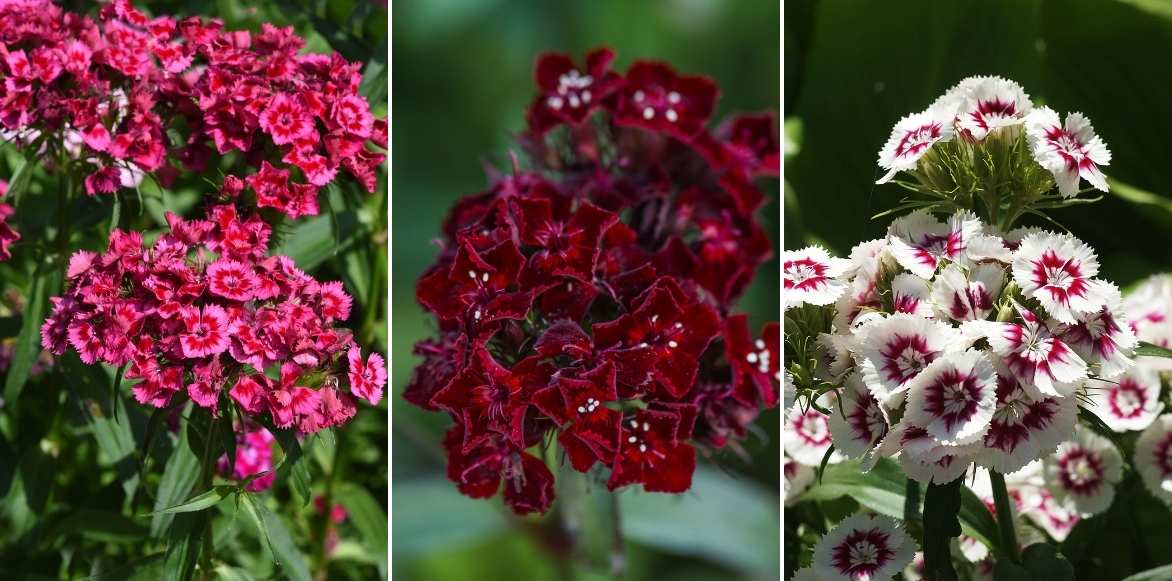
(211, 331)
(863, 547)
(254, 457)
(116, 88)
(592, 297)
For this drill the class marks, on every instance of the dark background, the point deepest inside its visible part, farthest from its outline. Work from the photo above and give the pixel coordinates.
(462, 76)
(853, 68)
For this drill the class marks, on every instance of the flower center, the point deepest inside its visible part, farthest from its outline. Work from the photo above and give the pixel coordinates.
(573, 91)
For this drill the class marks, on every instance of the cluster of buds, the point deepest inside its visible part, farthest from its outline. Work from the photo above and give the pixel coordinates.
(590, 295)
(126, 95)
(205, 309)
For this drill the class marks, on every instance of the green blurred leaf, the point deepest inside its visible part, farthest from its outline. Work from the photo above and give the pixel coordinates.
(229, 573)
(179, 477)
(431, 515)
(201, 501)
(19, 181)
(28, 343)
(730, 521)
(368, 517)
(1158, 574)
(100, 525)
(1043, 561)
(276, 536)
(183, 545)
(1145, 349)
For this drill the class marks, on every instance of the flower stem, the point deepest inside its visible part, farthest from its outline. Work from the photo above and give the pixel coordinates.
(1004, 517)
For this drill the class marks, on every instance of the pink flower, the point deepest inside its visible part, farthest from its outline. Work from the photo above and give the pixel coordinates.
(367, 379)
(231, 279)
(286, 120)
(105, 180)
(206, 331)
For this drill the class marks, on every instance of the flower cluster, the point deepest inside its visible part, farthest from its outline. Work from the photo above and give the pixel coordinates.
(126, 95)
(7, 234)
(955, 344)
(590, 294)
(203, 310)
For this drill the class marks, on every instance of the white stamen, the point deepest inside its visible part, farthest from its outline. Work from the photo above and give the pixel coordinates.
(642, 447)
(586, 96)
(673, 97)
(472, 274)
(484, 276)
(654, 318)
(632, 439)
(554, 102)
(672, 116)
(574, 102)
(648, 113)
(581, 410)
(646, 426)
(759, 344)
(634, 424)
(639, 96)
(751, 358)
(679, 325)
(672, 344)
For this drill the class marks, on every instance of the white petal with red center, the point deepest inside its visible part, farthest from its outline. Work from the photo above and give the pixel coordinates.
(988, 247)
(940, 471)
(1084, 471)
(991, 103)
(1153, 458)
(1103, 338)
(811, 275)
(1130, 403)
(863, 547)
(953, 398)
(798, 478)
(911, 294)
(1149, 303)
(1068, 151)
(912, 138)
(1159, 334)
(894, 350)
(859, 305)
(1054, 517)
(867, 258)
(858, 423)
(1059, 270)
(1043, 364)
(969, 294)
(807, 436)
(919, 241)
(1024, 428)
(835, 351)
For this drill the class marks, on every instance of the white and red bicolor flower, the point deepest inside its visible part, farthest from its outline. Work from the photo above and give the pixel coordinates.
(1149, 304)
(1083, 472)
(807, 436)
(1153, 458)
(923, 457)
(835, 351)
(953, 398)
(1069, 151)
(1103, 338)
(990, 104)
(911, 138)
(1035, 355)
(863, 547)
(1059, 270)
(1024, 428)
(811, 275)
(967, 294)
(859, 423)
(912, 295)
(1130, 403)
(798, 478)
(919, 241)
(1054, 517)
(893, 350)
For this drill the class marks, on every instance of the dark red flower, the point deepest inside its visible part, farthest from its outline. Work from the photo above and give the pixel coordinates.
(651, 453)
(656, 97)
(567, 244)
(755, 363)
(593, 430)
(567, 94)
(478, 288)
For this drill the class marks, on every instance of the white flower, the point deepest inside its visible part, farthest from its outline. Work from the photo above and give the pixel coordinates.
(1103, 337)
(811, 275)
(894, 350)
(1149, 303)
(1039, 360)
(1084, 472)
(953, 398)
(910, 294)
(919, 241)
(1040, 506)
(1159, 334)
(1024, 428)
(911, 138)
(1058, 270)
(1153, 457)
(863, 548)
(789, 391)
(866, 259)
(836, 358)
(1068, 151)
(859, 423)
(990, 104)
(1131, 403)
(922, 456)
(807, 436)
(964, 294)
(859, 305)
(798, 478)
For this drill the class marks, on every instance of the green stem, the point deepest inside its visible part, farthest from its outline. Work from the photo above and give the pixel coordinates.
(324, 519)
(1004, 517)
(911, 501)
(207, 475)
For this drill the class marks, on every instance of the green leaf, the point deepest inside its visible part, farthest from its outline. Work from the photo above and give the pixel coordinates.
(285, 553)
(723, 519)
(201, 501)
(1158, 574)
(180, 474)
(367, 515)
(183, 545)
(28, 343)
(430, 515)
(226, 572)
(100, 525)
(20, 179)
(941, 524)
(1043, 562)
(1145, 349)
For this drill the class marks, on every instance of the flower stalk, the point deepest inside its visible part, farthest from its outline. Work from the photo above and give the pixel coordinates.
(1005, 522)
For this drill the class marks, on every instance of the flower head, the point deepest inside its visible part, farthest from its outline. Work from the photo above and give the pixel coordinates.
(954, 397)
(1085, 471)
(1069, 151)
(1059, 270)
(811, 275)
(1153, 457)
(911, 138)
(862, 548)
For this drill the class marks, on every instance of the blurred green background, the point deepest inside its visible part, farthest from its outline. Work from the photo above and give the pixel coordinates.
(462, 78)
(853, 68)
